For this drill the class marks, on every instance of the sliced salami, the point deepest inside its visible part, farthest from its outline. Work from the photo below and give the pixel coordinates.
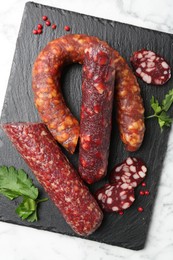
(116, 197)
(119, 194)
(131, 171)
(149, 66)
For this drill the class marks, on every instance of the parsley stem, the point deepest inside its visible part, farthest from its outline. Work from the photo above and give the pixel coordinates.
(151, 116)
(42, 200)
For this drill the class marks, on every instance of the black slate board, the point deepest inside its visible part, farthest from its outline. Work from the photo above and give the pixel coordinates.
(129, 230)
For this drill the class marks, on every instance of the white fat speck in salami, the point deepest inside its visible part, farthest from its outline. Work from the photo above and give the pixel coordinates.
(141, 174)
(126, 205)
(143, 168)
(129, 161)
(109, 201)
(151, 67)
(132, 168)
(135, 176)
(115, 208)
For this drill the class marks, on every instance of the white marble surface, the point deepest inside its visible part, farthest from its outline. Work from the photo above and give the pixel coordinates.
(34, 244)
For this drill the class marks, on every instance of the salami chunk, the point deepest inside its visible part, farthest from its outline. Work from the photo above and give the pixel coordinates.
(132, 171)
(55, 173)
(116, 197)
(149, 66)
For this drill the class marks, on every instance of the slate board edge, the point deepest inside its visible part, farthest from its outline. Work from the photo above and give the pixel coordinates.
(95, 17)
(41, 228)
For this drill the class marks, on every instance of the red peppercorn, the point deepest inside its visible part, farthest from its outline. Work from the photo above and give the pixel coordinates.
(48, 23)
(147, 192)
(67, 28)
(142, 193)
(35, 32)
(40, 26)
(53, 26)
(39, 31)
(121, 212)
(140, 209)
(143, 184)
(44, 17)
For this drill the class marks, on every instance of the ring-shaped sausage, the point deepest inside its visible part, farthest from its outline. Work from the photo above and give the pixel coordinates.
(51, 105)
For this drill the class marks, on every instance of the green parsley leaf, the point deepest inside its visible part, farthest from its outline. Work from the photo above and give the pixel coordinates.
(155, 105)
(15, 183)
(160, 110)
(27, 208)
(167, 101)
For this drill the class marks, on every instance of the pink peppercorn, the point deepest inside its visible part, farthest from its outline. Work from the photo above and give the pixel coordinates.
(141, 193)
(140, 209)
(53, 26)
(39, 31)
(67, 28)
(48, 23)
(40, 26)
(35, 32)
(44, 17)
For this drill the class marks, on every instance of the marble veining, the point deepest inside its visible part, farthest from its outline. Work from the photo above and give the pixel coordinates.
(21, 243)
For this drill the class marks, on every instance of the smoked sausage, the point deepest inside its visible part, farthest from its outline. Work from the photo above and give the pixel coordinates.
(62, 124)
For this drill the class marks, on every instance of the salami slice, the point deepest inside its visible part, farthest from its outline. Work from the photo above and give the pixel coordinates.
(149, 66)
(131, 171)
(116, 197)
(55, 173)
(119, 194)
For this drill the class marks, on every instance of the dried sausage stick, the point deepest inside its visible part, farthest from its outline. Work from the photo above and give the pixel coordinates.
(96, 112)
(58, 177)
(50, 103)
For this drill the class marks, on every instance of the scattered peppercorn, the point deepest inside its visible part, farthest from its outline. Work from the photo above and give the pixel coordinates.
(53, 26)
(48, 23)
(147, 192)
(44, 18)
(142, 193)
(39, 31)
(121, 212)
(35, 32)
(40, 26)
(67, 28)
(140, 209)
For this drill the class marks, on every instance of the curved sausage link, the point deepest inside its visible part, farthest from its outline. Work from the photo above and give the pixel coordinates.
(51, 105)
(130, 109)
(46, 86)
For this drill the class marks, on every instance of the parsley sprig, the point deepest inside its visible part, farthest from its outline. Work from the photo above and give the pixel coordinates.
(160, 110)
(14, 184)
